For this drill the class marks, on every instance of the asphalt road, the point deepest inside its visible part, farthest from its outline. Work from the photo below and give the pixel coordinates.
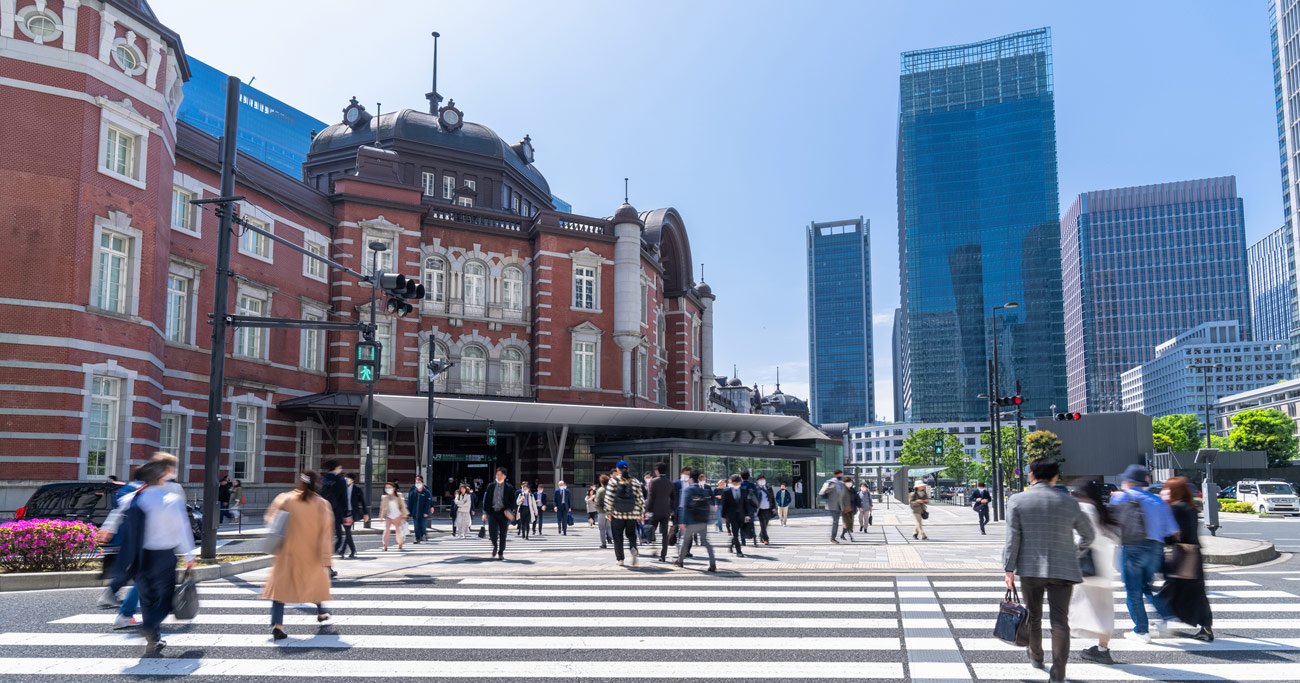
(1283, 532)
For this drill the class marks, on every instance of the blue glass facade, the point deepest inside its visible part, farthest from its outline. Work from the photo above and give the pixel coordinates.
(841, 369)
(269, 130)
(1272, 292)
(979, 226)
(1143, 265)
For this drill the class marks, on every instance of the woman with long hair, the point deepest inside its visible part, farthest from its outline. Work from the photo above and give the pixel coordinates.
(463, 504)
(527, 505)
(602, 521)
(392, 508)
(1184, 589)
(300, 570)
(1092, 605)
(591, 506)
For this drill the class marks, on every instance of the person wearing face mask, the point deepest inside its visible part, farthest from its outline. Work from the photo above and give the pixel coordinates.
(864, 507)
(356, 508)
(562, 504)
(833, 493)
(783, 501)
(693, 510)
(462, 502)
(659, 508)
(738, 509)
(332, 489)
(526, 504)
(419, 501)
(498, 512)
(392, 507)
(540, 496)
(766, 508)
(684, 479)
(625, 507)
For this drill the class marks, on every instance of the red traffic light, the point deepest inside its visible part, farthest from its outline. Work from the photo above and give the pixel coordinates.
(1076, 416)
(1068, 417)
(1017, 400)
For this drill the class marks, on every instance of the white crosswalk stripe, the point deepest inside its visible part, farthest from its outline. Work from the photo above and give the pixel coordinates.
(643, 627)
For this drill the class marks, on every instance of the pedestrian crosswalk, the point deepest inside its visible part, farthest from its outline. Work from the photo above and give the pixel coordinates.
(641, 626)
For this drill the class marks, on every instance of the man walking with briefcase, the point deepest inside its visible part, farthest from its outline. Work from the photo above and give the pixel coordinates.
(1040, 547)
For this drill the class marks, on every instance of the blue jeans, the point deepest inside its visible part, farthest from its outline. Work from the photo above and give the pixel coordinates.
(277, 612)
(130, 603)
(1140, 563)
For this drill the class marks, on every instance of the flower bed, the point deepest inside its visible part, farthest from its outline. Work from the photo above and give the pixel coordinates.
(1227, 505)
(46, 545)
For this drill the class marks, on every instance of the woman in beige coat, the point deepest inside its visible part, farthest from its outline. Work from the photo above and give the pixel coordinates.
(392, 508)
(918, 501)
(300, 571)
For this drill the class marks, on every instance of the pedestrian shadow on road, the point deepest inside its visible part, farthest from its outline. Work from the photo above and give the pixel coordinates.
(478, 559)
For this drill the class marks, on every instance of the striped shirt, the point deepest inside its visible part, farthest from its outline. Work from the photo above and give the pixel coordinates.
(611, 494)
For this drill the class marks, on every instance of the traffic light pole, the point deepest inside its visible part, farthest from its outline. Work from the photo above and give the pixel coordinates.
(1020, 441)
(375, 248)
(993, 442)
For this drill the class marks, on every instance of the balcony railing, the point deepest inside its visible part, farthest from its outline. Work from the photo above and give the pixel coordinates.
(480, 218)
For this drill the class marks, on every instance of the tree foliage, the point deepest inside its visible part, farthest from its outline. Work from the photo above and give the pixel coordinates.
(1183, 431)
(1162, 442)
(1269, 430)
(1042, 444)
(918, 451)
(1007, 457)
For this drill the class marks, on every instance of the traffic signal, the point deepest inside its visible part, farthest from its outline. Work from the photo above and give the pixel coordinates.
(1016, 401)
(367, 367)
(400, 289)
(938, 447)
(491, 433)
(1068, 417)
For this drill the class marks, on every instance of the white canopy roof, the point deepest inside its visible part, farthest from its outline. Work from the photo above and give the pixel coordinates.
(399, 411)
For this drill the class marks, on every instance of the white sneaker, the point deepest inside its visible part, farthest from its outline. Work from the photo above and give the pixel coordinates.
(108, 599)
(123, 621)
(634, 556)
(1159, 628)
(1139, 637)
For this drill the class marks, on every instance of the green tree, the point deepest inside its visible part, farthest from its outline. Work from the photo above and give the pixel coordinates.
(1042, 444)
(919, 450)
(958, 464)
(1162, 442)
(984, 469)
(1269, 430)
(1184, 431)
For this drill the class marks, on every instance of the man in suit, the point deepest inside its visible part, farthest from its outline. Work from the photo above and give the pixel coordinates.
(562, 506)
(748, 487)
(659, 507)
(540, 496)
(693, 510)
(498, 502)
(833, 492)
(766, 507)
(1040, 548)
(738, 510)
(980, 500)
(356, 510)
(334, 490)
(685, 479)
(419, 502)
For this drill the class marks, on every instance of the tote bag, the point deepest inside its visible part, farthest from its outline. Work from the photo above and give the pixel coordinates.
(185, 601)
(1013, 621)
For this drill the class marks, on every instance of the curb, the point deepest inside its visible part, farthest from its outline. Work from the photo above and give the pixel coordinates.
(90, 579)
(1264, 552)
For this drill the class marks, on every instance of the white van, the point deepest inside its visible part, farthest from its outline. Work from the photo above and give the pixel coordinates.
(1269, 497)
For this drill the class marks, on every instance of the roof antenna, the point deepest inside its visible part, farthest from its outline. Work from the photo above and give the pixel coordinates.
(379, 107)
(433, 97)
(701, 271)
(778, 379)
(625, 191)
(734, 372)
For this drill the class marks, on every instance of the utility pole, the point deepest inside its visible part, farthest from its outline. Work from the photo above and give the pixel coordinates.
(993, 441)
(220, 302)
(436, 367)
(375, 248)
(1020, 441)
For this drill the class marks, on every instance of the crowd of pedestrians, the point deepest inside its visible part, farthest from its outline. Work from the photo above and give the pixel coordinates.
(1070, 547)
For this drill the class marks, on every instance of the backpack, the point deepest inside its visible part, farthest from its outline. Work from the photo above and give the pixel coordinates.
(1132, 521)
(624, 497)
(697, 502)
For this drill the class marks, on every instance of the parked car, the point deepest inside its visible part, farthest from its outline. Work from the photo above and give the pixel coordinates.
(1268, 497)
(85, 501)
(1228, 492)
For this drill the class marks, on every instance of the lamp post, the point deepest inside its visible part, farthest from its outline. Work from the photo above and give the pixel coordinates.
(996, 422)
(375, 248)
(436, 367)
(1205, 368)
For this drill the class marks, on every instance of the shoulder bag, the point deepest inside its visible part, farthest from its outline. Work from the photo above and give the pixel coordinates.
(1182, 561)
(275, 531)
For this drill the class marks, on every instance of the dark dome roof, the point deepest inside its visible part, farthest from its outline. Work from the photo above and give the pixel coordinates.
(422, 128)
(735, 382)
(626, 214)
(704, 290)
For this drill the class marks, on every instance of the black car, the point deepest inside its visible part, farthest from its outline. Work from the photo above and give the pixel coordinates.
(85, 501)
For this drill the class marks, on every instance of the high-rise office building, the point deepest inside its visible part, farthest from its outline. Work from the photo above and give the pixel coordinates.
(896, 340)
(1284, 29)
(840, 364)
(1142, 265)
(1272, 296)
(979, 226)
(269, 130)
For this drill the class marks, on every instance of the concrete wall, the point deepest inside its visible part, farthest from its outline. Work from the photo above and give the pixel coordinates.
(1102, 443)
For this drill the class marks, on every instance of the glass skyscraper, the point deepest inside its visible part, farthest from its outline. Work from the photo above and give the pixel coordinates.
(1142, 265)
(1284, 29)
(842, 373)
(979, 226)
(1272, 307)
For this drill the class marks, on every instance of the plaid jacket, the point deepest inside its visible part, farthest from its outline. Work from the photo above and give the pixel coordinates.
(1040, 534)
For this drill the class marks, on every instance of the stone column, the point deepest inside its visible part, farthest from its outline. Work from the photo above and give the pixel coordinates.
(627, 287)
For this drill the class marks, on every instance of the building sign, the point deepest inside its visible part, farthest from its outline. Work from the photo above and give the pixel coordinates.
(461, 457)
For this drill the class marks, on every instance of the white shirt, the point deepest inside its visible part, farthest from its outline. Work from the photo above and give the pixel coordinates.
(166, 524)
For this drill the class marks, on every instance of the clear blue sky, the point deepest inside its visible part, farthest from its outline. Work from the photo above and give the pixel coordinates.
(755, 118)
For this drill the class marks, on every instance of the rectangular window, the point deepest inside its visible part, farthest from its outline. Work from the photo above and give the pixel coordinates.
(448, 186)
(114, 271)
(584, 287)
(250, 342)
(515, 204)
(244, 441)
(119, 156)
(255, 243)
(385, 257)
(584, 364)
(471, 185)
(307, 447)
(379, 454)
(171, 439)
(105, 406)
(642, 376)
(465, 201)
(388, 350)
(312, 354)
(429, 183)
(184, 213)
(311, 267)
(178, 309)
(645, 304)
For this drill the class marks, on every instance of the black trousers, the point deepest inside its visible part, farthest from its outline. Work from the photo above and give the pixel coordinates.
(537, 521)
(498, 529)
(983, 512)
(623, 528)
(525, 521)
(1058, 597)
(338, 533)
(347, 542)
(764, 516)
(663, 527)
(562, 519)
(156, 581)
(737, 528)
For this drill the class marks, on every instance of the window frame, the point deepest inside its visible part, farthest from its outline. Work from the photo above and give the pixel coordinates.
(268, 245)
(102, 270)
(254, 422)
(429, 183)
(387, 258)
(111, 402)
(585, 286)
(512, 363)
(189, 224)
(585, 364)
(387, 348)
(124, 121)
(184, 318)
(311, 266)
(473, 368)
(448, 186)
(309, 359)
(512, 278)
(246, 337)
(435, 288)
(480, 301)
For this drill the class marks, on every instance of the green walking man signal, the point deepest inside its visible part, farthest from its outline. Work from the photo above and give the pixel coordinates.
(938, 447)
(367, 367)
(491, 433)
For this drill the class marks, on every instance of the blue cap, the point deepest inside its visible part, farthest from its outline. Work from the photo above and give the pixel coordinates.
(621, 464)
(1136, 474)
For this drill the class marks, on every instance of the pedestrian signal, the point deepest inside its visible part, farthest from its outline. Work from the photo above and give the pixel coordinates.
(367, 366)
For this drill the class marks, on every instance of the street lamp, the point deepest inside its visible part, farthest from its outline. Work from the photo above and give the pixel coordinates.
(1205, 368)
(436, 367)
(995, 422)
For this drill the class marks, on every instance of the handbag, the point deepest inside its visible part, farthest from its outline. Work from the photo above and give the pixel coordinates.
(1013, 620)
(925, 514)
(275, 531)
(568, 519)
(482, 532)
(1182, 561)
(1087, 565)
(185, 601)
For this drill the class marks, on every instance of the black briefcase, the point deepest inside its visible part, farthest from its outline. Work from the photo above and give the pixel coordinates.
(1013, 621)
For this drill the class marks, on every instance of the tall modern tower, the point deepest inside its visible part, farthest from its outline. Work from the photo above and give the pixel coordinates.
(1142, 265)
(1272, 305)
(979, 226)
(1284, 29)
(841, 369)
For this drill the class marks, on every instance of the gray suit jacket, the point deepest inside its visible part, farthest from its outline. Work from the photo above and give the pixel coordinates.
(1040, 534)
(835, 495)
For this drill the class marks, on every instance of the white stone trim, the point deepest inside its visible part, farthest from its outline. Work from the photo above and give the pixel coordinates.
(123, 116)
(24, 15)
(122, 464)
(118, 222)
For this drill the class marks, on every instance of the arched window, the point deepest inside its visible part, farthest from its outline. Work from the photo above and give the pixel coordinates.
(475, 285)
(512, 369)
(512, 291)
(473, 368)
(435, 279)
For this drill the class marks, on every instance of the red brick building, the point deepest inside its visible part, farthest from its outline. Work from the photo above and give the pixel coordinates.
(104, 335)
